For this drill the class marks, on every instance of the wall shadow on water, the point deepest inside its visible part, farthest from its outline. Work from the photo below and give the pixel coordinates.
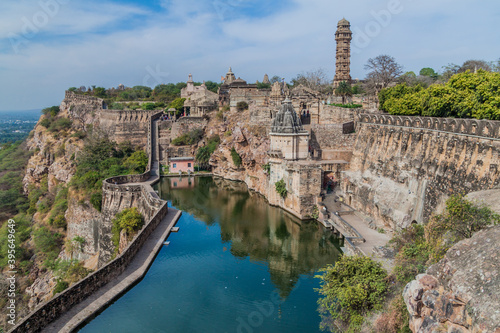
(252, 228)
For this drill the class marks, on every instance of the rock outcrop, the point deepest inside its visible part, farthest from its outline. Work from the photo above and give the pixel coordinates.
(459, 293)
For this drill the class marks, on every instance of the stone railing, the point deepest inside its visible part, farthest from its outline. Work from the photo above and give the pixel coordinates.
(71, 96)
(54, 308)
(471, 127)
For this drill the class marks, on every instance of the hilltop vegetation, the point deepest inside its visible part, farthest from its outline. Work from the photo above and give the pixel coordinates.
(465, 95)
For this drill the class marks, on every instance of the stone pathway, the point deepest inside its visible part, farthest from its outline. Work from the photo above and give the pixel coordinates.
(134, 272)
(373, 238)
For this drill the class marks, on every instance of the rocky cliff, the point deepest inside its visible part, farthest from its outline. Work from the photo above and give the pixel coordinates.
(249, 138)
(459, 293)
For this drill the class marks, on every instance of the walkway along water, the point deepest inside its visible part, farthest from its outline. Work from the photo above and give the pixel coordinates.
(71, 308)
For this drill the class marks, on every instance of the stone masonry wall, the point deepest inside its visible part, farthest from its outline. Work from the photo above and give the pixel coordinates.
(403, 168)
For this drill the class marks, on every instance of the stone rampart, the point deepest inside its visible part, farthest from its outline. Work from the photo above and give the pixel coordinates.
(115, 198)
(330, 114)
(53, 309)
(404, 168)
(469, 127)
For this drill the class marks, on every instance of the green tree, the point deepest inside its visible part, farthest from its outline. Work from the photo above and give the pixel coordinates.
(137, 162)
(354, 286)
(100, 92)
(129, 219)
(178, 104)
(344, 89)
(427, 71)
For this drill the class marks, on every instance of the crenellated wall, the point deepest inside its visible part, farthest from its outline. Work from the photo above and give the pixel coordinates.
(403, 168)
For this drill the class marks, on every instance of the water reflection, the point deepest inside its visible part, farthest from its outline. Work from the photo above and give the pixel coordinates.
(252, 228)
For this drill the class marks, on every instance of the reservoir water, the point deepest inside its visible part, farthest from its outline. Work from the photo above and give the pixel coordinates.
(236, 265)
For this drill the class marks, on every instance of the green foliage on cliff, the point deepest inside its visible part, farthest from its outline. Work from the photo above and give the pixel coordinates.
(417, 247)
(351, 288)
(465, 95)
(190, 138)
(13, 159)
(47, 243)
(23, 232)
(280, 187)
(129, 219)
(205, 152)
(102, 158)
(236, 157)
(461, 220)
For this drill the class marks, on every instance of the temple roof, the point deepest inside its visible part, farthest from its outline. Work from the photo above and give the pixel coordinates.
(286, 120)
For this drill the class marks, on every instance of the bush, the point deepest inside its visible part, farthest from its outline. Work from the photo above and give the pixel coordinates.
(60, 124)
(59, 222)
(60, 286)
(461, 219)
(348, 106)
(96, 200)
(45, 122)
(190, 138)
(351, 289)
(51, 111)
(129, 219)
(47, 243)
(280, 187)
(242, 106)
(236, 157)
(137, 162)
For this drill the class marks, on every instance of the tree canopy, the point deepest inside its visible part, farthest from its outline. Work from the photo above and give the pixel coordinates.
(465, 95)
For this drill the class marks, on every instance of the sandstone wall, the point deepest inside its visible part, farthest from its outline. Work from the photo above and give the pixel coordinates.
(403, 168)
(331, 143)
(336, 115)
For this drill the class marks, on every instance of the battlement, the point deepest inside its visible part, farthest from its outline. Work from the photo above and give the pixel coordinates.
(70, 96)
(470, 127)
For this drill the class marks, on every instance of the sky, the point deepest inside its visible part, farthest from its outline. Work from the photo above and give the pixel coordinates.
(47, 46)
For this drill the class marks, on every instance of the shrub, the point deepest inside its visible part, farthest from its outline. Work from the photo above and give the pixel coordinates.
(129, 219)
(45, 122)
(236, 157)
(79, 134)
(266, 167)
(51, 111)
(348, 106)
(242, 106)
(96, 200)
(47, 243)
(60, 124)
(59, 222)
(350, 289)
(190, 138)
(60, 286)
(280, 187)
(137, 162)
(461, 219)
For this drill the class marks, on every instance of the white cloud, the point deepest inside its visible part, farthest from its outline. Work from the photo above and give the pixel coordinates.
(106, 44)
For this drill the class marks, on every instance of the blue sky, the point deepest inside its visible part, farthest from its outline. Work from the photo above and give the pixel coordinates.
(47, 46)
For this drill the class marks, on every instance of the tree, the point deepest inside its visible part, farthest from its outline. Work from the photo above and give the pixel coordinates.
(344, 89)
(474, 65)
(274, 79)
(236, 157)
(383, 70)
(99, 92)
(427, 71)
(349, 290)
(178, 104)
(315, 80)
(449, 70)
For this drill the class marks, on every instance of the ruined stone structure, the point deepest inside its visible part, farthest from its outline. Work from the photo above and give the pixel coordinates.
(199, 100)
(343, 37)
(403, 168)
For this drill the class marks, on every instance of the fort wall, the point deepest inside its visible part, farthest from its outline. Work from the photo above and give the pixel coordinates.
(118, 194)
(403, 168)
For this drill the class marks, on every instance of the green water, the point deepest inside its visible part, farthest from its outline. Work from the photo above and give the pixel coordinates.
(236, 265)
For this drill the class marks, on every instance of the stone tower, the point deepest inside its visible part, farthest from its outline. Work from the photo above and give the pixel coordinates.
(343, 37)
